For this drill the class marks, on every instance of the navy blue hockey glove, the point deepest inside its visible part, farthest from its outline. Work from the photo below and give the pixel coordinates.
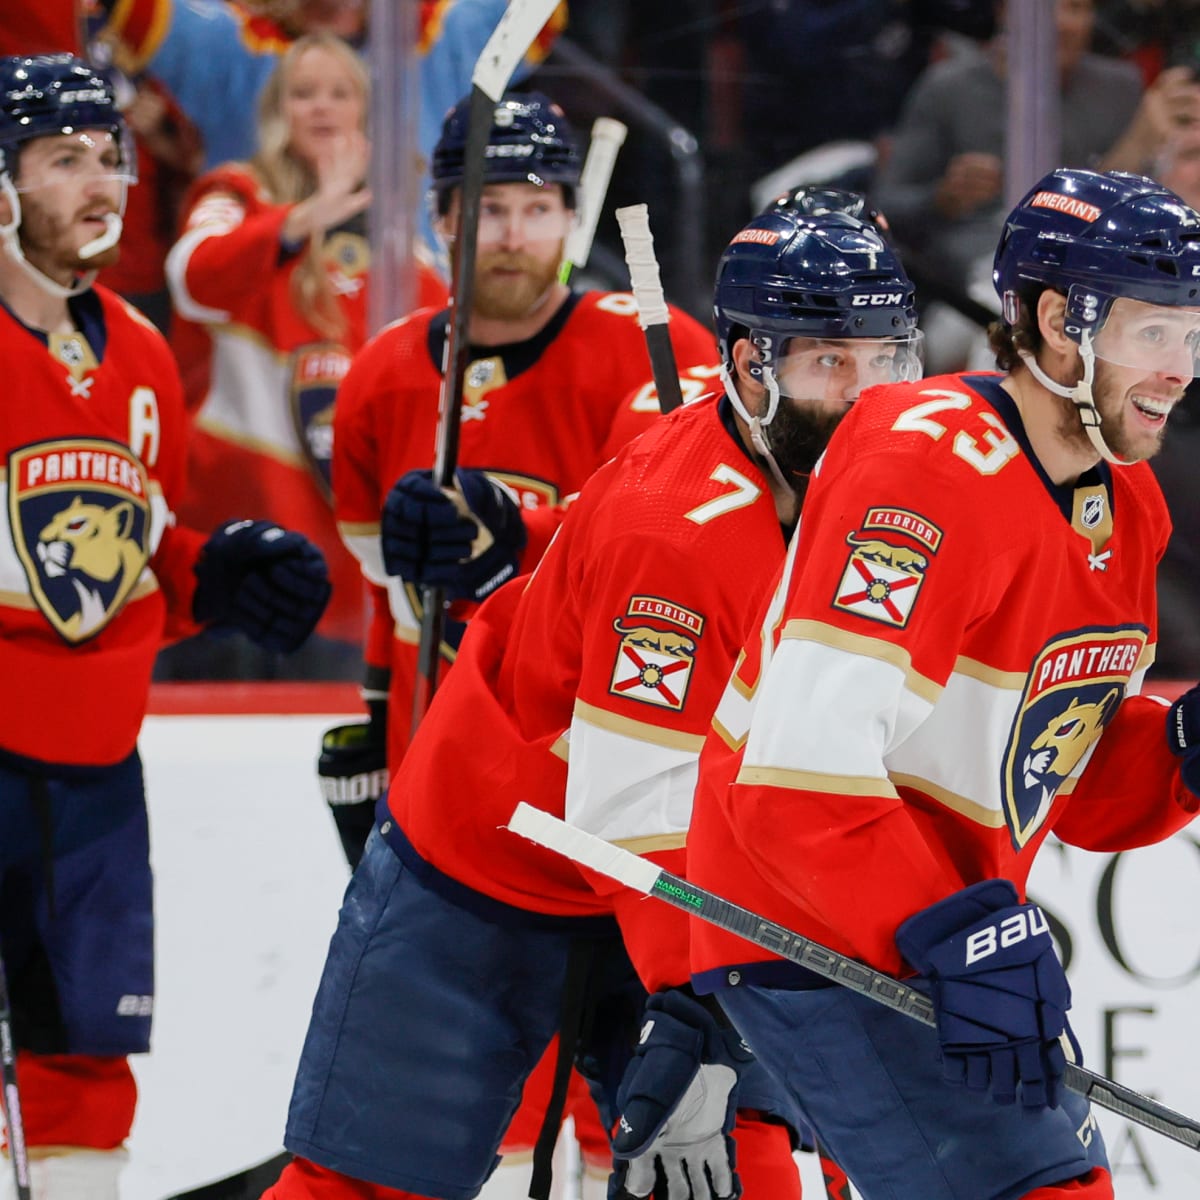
(269, 583)
(999, 992)
(467, 543)
(1183, 736)
(678, 1100)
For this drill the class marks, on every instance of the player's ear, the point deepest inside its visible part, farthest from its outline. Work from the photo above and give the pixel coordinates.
(746, 358)
(1051, 316)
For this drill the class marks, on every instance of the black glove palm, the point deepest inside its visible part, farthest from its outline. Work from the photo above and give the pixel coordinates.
(270, 583)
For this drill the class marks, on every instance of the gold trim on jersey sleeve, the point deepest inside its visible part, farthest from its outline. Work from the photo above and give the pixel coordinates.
(815, 781)
(672, 739)
(973, 811)
(864, 646)
(1013, 681)
(653, 843)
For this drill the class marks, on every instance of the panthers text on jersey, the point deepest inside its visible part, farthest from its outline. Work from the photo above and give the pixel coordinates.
(948, 671)
(539, 415)
(586, 688)
(93, 568)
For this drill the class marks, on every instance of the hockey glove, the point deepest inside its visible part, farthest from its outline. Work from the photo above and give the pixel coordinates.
(999, 992)
(677, 1102)
(267, 582)
(353, 772)
(1183, 736)
(467, 541)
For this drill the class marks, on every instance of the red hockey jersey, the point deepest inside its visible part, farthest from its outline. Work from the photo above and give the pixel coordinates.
(92, 567)
(540, 415)
(948, 671)
(587, 688)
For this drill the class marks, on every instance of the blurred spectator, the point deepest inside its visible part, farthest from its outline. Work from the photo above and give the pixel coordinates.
(269, 284)
(46, 27)
(942, 183)
(1175, 467)
(942, 186)
(215, 56)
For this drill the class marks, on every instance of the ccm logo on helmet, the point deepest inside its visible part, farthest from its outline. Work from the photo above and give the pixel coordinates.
(1028, 923)
(876, 299)
(509, 151)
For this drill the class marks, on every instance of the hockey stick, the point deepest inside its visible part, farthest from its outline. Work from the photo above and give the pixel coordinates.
(521, 23)
(608, 136)
(12, 1097)
(643, 876)
(653, 313)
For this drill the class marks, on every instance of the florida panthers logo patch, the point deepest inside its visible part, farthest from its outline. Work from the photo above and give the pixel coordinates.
(316, 372)
(654, 661)
(80, 521)
(1072, 692)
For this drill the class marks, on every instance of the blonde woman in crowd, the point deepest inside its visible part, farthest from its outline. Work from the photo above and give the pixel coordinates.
(269, 285)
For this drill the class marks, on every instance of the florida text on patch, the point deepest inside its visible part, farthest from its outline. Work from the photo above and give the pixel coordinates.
(655, 652)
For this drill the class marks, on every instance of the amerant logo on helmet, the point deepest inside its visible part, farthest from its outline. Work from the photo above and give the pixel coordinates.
(1066, 204)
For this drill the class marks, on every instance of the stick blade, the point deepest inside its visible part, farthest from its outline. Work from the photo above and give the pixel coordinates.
(512, 37)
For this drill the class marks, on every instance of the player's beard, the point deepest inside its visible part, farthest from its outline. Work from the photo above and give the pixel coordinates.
(1109, 397)
(509, 298)
(44, 239)
(799, 433)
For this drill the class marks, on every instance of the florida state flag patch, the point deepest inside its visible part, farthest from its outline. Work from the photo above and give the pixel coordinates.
(656, 652)
(881, 580)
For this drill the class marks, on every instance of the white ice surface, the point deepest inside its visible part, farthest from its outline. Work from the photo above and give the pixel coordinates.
(249, 876)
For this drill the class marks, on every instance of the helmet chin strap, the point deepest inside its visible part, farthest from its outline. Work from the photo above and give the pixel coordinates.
(10, 236)
(757, 425)
(1080, 395)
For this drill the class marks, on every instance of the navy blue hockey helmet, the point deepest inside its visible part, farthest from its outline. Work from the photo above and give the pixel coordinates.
(531, 141)
(50, 94)
(830, 275)
(808, 200)
(1096, 238)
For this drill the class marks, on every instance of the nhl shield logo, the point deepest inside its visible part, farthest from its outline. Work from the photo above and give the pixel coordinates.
(1072, 692)
(316, 372)
(653, 664)
(1093, 511)
(80, 521)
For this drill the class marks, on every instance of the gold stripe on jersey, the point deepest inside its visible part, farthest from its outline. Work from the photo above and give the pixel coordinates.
(649, 845)
(672, 739)
(349, 529)
(1013, 681)
(813, 781)
(561, 748)
(865, 647)
(973, 811)
(17, 600)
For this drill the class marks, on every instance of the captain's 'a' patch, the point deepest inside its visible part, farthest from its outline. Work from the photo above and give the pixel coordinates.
(80, 518)
(656, 652)
(882, 579)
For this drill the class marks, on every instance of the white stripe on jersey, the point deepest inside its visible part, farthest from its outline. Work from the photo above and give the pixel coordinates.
(629, 781)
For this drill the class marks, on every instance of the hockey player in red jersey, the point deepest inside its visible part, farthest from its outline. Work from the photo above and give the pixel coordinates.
(546, 399)
(948, 672)
(585, 689)
(93, 571)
